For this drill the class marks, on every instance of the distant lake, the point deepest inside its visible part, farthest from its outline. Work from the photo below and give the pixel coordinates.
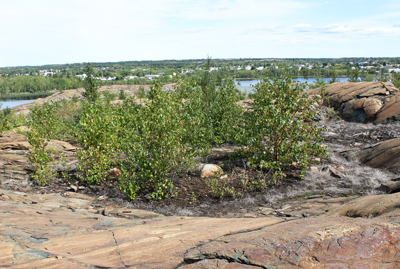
(247, 83)
(12, 101)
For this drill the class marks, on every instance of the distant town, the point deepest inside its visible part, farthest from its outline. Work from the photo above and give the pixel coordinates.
(33, 79)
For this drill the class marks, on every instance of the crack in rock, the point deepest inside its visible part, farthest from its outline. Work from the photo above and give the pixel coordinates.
(116, 244)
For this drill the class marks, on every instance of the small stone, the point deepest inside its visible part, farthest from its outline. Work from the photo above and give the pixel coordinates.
(210, 170)
(73, 187)
(314, 169)
(250, 215)
(368, 182)
(334, 172)
(103, 197)
(114, 173)
(357, 144)
(316, 160)
(267, 211)
(340, 168)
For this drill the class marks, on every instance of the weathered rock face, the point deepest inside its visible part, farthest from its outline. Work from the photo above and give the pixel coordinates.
(58, 231)
(129, 90)
(65, 231)
(311, 243)
(385, 155)
(377, 102)
(14, 150)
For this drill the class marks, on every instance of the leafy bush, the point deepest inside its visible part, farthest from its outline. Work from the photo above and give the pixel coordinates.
(108, 96)
(10, 120)
(396, 80)
(42, 128)
(277, 130)
(98, 136)
(155, 145)
(141, 93)
(91, 94)
(122, 95)
(212, 106)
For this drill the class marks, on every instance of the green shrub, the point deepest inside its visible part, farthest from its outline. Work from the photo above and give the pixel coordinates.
(108, 96)
(42, 128)
(155, 145)
(97, 134)
(212, 105)
(91, 87)
(141, 93)
(122, 95)
(278, 130)
(396, 80)
(10, 120)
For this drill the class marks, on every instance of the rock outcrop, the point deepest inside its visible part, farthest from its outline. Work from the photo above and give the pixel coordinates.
(385, 155)
(14, 150)
(66, 231)
(377, 102)
(129, 90)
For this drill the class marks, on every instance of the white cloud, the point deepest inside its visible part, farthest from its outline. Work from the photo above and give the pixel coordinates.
(344, 30)
(396, 24)
(321, 29)
(303, 28)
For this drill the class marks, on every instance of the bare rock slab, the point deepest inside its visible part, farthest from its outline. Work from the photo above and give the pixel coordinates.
(309, 243)
(47, 233)
(385, 155)
(377, 102)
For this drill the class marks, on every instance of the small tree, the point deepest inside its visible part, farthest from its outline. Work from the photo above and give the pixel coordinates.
(42, 128)
(277, 129)
(396, 79)
(334, 76)
(91, 94)
(155, 144)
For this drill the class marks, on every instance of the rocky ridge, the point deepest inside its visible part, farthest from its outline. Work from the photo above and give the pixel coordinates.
(376, 102)
(65, 228)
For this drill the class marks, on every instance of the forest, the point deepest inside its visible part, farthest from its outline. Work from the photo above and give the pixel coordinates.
(38, 79)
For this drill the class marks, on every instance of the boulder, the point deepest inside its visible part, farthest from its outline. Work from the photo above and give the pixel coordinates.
(392, 186)
(377, 102)
(384, 155)
(368, 206)
(205, 170)
(209, 170)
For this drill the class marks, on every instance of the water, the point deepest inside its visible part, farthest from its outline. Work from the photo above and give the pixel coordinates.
(247, 85)
(12, 101)
(252, 82)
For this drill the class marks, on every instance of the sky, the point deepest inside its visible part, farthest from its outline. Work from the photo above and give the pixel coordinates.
(73, 31)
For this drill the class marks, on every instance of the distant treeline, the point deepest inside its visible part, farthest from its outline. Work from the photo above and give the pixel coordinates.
(35, 79)
(34, 84)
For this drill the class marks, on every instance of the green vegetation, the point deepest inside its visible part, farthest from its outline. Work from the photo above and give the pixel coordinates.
(34, 79)
(396, 80)
(153, 143)
(10, 120)
(91, 86)
(42, 129)
(277, 130)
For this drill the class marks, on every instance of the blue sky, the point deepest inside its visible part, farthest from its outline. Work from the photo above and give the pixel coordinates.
(69, 31)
